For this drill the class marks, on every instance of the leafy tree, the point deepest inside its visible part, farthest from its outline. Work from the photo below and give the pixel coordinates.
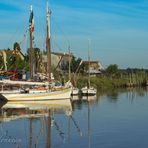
(74, 65)
(112, 69)
(36, 58)
(16, 46)
(14, 62)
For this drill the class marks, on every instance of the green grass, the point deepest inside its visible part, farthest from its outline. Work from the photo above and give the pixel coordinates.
(101, 82)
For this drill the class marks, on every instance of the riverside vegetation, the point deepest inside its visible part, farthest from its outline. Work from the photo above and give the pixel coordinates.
(111, 77)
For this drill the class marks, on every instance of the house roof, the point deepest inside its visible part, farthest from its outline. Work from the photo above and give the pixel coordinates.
(91, 62)
(61, 54)
(94, 62)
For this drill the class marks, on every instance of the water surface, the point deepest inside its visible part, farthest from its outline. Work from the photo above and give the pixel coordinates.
(114, 119)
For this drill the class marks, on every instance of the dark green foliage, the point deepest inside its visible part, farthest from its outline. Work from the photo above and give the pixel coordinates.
(14, 62)
(16, 46)
(74, 65)
(112, 69)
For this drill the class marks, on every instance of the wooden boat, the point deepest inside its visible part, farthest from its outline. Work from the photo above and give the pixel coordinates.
(50, 93)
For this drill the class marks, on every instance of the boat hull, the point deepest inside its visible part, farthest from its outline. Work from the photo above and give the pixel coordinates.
(75, 91)
(88, 91)
(54, 95)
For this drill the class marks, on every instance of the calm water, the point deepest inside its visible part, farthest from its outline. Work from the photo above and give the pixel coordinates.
(115, 119)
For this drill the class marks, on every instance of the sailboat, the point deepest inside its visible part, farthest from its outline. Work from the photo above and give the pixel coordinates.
(75, 90)
(89, 90)
(49, 92)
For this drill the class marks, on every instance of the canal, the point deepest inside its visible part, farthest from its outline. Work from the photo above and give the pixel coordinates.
(112, 119)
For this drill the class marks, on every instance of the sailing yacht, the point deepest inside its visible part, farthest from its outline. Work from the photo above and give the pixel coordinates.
(88, 90)
(49, 92)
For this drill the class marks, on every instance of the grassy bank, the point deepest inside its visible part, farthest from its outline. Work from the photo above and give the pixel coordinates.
(105, 82)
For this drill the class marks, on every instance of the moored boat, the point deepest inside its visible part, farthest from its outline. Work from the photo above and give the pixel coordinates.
(88, 91)
(50, 95)
(51, 92)
(75, 91)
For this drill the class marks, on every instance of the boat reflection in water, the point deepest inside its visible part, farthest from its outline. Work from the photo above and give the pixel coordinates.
(39, 117)
(75, 98)
(90, 98)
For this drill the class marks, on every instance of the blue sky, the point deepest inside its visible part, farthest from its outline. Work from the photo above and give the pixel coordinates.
(118, 29)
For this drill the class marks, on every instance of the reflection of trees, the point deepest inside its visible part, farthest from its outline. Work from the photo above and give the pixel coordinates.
(78, 104)
(132, 92)
(139, 91)
(112, 95)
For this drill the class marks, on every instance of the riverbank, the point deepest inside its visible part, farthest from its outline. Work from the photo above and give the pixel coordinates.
(104, 82)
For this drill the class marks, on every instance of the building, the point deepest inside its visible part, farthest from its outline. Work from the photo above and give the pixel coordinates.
(59, 60)
(95, 67)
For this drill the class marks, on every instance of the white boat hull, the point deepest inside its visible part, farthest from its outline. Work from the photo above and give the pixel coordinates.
(88, 91)
(41, 96)
(75, 91)
(10, 92)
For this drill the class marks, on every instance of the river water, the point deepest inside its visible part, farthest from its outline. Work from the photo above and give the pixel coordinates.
(112, 119)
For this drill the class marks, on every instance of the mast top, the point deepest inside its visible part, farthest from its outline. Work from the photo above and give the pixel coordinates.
(47, 8)
(31, 8)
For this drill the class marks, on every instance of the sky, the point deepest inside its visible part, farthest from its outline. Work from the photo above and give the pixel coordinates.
(117, 29)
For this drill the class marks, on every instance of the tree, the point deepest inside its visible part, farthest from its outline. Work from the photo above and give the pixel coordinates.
(16, 46)
(75, 64)
(112, 69)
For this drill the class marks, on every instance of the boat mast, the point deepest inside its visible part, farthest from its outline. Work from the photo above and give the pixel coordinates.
(69, 64)
(31, 30)
(89, 64)
(48, 44)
